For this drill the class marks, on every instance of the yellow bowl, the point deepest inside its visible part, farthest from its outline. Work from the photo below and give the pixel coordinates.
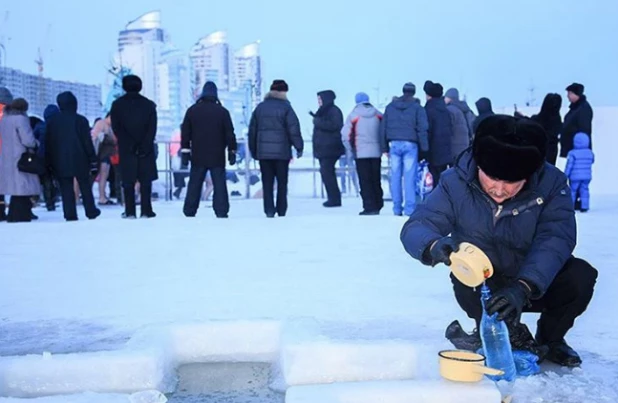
(464, 366)
(470, 265)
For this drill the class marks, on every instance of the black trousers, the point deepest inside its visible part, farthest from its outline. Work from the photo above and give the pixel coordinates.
(2, 208)
(552, 154)
(271, 170)
(329, 178)
(566, 299)
(68, 198)
(145, 191)
(436, 171)
(49, 190)
(20, 209)
(221, 200)
(370, 181)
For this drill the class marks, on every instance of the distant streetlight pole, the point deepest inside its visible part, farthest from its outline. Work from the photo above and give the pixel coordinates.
(2, 62)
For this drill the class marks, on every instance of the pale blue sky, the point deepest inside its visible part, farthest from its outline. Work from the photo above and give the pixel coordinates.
(486, 48)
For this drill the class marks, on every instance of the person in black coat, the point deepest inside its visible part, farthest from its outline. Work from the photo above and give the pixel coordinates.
(440, 131)
(483, 106)
(549, 117)
(206, 132)
(70, 154)
(327, 144)
(578, 119)
(134, 122)
(273, 130)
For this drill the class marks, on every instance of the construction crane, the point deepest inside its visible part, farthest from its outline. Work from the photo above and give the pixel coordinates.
(42, 88)
(3, 46)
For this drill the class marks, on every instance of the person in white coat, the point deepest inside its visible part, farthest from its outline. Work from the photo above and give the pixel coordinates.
(361, 138)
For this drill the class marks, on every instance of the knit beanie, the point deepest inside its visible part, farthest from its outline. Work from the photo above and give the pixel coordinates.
(452, 93)
(361, 98)
(576, 88)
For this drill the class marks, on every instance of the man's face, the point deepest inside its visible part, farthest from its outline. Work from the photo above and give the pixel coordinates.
(499, 190)
(427, 97)
(572, 97)
(319, 100)
(447, 100)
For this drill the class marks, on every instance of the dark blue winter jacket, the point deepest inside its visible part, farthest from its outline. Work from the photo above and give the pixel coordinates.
(406, 120)
(580, 159)
(41, 127)
(529, 237)
(440, 132)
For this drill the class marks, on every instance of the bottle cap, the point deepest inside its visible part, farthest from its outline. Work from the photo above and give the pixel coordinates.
(470, 265)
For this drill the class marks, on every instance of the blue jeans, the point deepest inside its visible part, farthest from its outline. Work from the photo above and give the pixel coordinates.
(404, 157)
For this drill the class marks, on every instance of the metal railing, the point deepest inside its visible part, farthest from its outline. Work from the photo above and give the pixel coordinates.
(248, 168)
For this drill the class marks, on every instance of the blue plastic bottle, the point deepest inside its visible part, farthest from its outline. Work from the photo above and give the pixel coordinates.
(496, 343)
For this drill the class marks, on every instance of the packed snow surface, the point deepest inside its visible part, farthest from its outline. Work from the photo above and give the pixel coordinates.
(113, 287)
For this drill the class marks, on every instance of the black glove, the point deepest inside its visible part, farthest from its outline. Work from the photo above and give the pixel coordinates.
(184, 160)
(509, 301)
(94, 168)
(231, 157)
(311, 114)
(441, 251)
(299, 154)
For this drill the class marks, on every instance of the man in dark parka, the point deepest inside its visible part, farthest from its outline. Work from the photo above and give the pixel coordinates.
(504, 198)
(134, 122)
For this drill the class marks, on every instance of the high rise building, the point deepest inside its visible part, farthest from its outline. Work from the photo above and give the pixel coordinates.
(42, 91)
(247, 71)
(175, 95)
(210, 61)
(140, 46)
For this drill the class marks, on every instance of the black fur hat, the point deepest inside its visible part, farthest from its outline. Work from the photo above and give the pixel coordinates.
(131, 83)
(434, 90)
(279, 85)
(508, 148)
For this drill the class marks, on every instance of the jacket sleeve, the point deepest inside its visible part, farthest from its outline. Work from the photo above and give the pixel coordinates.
(115, 117)
(230, 137)
(151, 133)
(186, 133)
(333, 121)
(346, 132)
(422, 128)
(553, 243)
(430, 221)
(569, 164)
(86, 140)
(584, 120)
(383, 140)
(24, 131)
(252, 135)
(293, 128)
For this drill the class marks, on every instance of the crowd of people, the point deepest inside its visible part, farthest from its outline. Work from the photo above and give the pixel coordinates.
(120, 148)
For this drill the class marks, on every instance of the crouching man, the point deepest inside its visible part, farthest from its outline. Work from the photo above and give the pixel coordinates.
(502, 197)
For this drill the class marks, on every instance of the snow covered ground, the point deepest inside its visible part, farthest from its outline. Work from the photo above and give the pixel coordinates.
(315, 275)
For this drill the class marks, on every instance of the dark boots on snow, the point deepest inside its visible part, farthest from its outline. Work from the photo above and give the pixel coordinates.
(520, 336)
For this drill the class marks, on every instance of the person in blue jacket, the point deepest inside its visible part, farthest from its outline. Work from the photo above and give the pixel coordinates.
(503, 197)
(579, 170)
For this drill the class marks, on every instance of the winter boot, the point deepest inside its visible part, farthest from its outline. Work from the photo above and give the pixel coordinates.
(462, 340)
(562, 354)
(2, 211)
(369, 212)
(522, 339)
(330, 203)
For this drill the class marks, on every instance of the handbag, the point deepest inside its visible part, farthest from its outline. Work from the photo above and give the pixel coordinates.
(31, 163)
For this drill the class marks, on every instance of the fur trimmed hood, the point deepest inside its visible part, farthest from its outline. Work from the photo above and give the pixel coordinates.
(276, 95)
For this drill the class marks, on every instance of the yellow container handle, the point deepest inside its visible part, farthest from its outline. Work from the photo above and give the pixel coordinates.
(481, 369)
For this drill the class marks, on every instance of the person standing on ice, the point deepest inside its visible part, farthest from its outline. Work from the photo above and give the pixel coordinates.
(70, 153)
(504, 198)
(483, 106)
(578, 118)
(440, 131)
(361, 138)
(327, 145)
(206, 132)
(461, 119)
(402, 131)
(579, 170)
(273, 130)
(5, 99)
(134, 122)
(451, 98)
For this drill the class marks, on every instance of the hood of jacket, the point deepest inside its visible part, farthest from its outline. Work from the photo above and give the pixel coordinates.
(483, 105)
(50, 110)
(280, 95)
(366, 110)
(581, 140)
(328, 97)
(406, 102)
(462, 105)
(67, 102)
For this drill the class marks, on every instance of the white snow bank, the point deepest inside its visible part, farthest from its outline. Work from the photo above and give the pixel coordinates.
(149, 396)
(417, 391)
(112, 372)
(348, 361)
